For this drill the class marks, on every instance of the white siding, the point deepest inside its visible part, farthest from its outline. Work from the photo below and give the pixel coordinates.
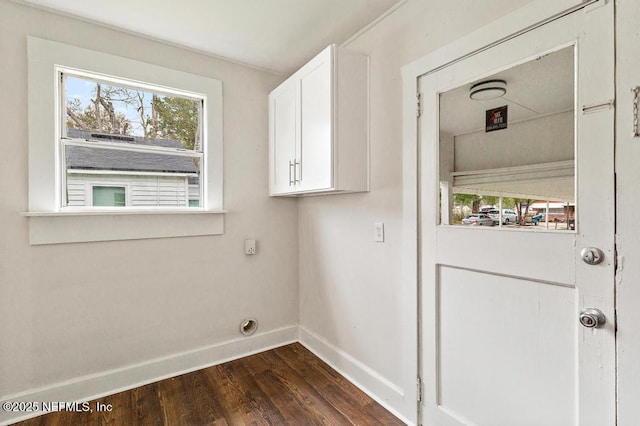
(76, 191)
(142, 190)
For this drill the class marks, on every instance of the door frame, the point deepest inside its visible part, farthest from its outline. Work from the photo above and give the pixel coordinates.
(525, 19)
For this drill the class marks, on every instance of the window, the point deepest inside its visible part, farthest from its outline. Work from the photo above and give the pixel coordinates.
(521, 170)
(148, 137)
(155, 131)
(108, 196)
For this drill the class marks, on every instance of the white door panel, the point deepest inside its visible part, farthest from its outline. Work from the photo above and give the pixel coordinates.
(500, 339)
(468, 248)
(283, 109)
(316, 148)
(518, 337)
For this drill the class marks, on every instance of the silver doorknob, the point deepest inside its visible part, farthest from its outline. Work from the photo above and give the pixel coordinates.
(592, 318)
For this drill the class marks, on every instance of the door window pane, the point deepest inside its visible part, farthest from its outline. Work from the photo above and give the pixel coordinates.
(507, 147)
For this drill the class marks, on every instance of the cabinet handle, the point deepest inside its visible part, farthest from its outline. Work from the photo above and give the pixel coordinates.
(297, 171)
(636, 97)
(291, 182)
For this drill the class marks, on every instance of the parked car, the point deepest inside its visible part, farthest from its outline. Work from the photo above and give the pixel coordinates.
(495, 215)
(508, 216)
(478, 219)
(535, 219)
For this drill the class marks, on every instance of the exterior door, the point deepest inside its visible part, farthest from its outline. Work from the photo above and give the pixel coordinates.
(500, 337)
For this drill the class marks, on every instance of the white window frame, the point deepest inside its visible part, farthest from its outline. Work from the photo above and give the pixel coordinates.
(49, 222)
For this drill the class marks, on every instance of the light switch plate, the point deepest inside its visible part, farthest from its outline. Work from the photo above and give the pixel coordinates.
(379, 232)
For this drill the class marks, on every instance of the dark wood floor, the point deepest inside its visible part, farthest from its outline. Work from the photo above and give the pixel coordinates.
(288, 385)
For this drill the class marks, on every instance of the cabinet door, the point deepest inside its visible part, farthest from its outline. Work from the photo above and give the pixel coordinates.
(282, 107)
(315, 171)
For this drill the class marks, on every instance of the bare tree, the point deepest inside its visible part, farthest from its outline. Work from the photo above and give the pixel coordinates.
(96, 103)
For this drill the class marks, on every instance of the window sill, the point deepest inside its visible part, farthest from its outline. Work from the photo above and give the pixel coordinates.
(76, 226)
(118, 212)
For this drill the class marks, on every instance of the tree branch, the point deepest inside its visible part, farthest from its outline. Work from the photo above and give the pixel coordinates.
(76, 119)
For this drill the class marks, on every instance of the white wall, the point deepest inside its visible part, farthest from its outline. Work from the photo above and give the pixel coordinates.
(72, 310)
(628, 241)
(350, 286)
(542, 140)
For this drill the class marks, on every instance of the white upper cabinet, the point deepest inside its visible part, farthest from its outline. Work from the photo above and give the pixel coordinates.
(318, 127)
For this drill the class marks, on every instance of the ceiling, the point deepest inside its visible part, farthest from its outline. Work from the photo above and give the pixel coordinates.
(276, 35)
(537, 88)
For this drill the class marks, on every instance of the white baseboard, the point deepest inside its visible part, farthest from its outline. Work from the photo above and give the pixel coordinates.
(372, 383)
(95, 386)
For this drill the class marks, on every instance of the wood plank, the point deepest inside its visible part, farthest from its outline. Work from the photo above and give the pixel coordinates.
(318, 373)
(338, 391)
(287, 385)
(298, 401)
(239, 405)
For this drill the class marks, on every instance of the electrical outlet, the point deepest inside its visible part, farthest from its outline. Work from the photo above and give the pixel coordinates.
(379, 232)
(249, 246)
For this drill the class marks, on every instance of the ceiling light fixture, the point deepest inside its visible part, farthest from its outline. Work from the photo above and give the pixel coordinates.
(489, 89)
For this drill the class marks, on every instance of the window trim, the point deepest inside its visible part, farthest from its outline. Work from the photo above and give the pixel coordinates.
(45, 206)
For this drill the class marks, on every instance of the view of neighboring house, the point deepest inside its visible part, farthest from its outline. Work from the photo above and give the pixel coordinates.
(560, 211)
(114, 178)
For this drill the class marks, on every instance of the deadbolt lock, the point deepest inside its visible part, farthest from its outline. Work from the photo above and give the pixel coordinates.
(591, 255)
(592, 318)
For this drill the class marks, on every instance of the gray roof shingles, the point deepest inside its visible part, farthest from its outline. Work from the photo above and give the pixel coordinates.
(85, 158)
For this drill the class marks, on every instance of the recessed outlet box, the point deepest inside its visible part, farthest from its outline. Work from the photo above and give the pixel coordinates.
(249, 246)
